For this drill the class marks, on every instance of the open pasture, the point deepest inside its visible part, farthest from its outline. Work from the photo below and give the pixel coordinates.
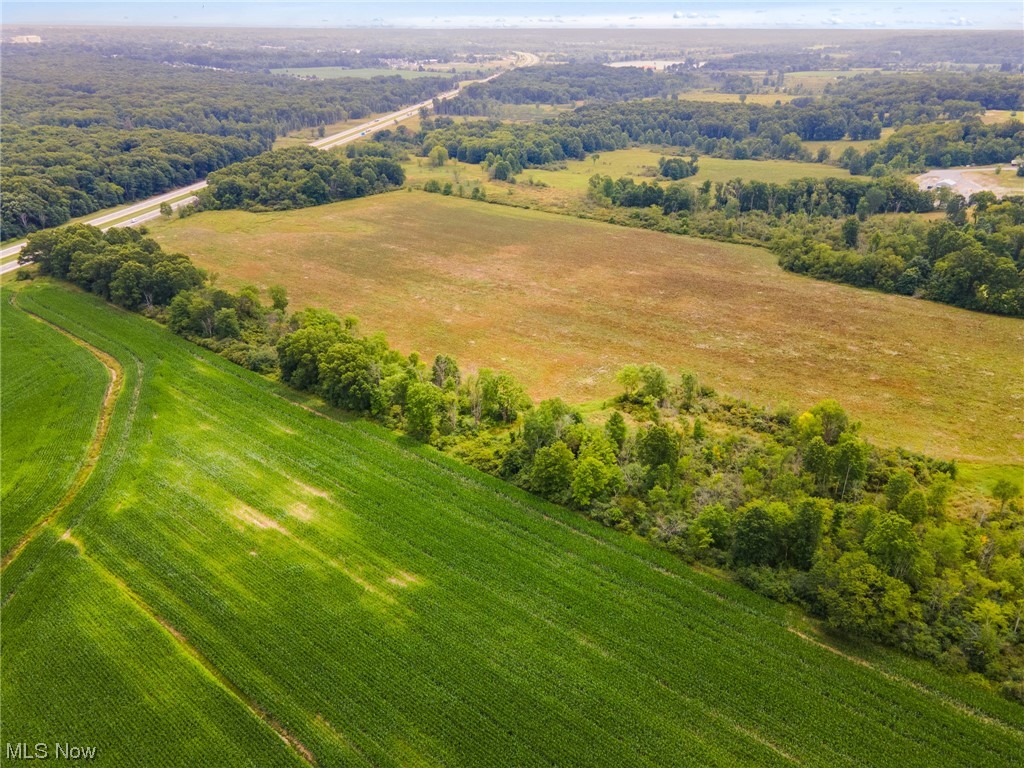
(287, 589)
(642, 162)
(564, 189)
(814, 81)
(562, 303)
(718, 97)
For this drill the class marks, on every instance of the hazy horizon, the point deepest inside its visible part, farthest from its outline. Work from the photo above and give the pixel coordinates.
(684, 14)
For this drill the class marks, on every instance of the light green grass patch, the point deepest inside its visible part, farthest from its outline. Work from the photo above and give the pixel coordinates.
(642, 163)
(717, 97)
(982, 478)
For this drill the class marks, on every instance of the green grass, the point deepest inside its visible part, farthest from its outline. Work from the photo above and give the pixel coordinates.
(51, 390)
(718, 97)
(332, 73)
(386, 606)
(638, 162)
(814, 81)
(836, 148)
(982, 478)
(1007, 179)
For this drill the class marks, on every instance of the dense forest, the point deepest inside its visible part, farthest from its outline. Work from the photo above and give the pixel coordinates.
(888, 99)
(77, 139)
(260, 50)
(51, 173)
(910, 98)
(567, 84)
(975, 262)
(831, 197)
(298, 177)
(905, 50)
(914, 148)
(797, 504)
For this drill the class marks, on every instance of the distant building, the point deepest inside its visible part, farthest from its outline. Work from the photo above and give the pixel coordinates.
(26, 39)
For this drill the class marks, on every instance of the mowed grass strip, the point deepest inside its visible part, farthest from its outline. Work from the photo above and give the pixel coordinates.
(51, 391)
(563, 303)
(385, 605)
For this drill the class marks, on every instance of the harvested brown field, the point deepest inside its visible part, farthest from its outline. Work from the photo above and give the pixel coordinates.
(562, 303)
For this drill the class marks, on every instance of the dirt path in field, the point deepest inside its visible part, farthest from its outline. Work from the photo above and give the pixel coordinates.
(92, 455)
(960, 707)
(194, 653)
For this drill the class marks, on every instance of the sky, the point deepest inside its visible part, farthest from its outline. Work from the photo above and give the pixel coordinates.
(661, 14)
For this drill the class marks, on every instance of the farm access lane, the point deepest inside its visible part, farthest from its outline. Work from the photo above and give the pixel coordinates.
(150, 208)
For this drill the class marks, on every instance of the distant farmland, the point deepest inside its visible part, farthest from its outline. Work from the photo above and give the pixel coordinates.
(333, 73)
(563, 303)
(636, 163)
(244, 578)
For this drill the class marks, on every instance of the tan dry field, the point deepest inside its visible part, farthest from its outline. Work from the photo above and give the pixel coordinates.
(562, 303)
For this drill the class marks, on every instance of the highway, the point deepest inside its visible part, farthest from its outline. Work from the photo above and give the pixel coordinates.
(150, 208)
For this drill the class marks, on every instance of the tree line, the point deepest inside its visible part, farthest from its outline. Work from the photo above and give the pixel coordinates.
(799, 507)
(975, 264)
(830, 197)
(832, 229)
(298, 177)
(566, 84)
(915, 148)
(925, 97)
(733, 131)
(120, 265)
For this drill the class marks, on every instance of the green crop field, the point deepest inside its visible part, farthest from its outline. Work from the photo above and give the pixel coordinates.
(244, 581)
(50, 394)
(563, 303)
